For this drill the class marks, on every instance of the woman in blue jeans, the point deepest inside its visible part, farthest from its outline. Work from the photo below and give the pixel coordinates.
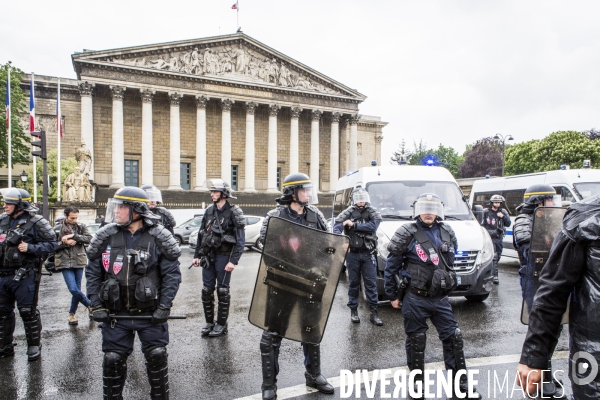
(70, 257)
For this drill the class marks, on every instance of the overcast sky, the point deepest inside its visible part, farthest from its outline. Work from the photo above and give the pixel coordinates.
(448, 72)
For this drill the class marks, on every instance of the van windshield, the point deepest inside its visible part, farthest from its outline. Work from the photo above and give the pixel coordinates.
(587, 189)
(394, 200)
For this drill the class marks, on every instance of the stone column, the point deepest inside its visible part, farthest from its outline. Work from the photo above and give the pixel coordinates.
(226, 140)
(344, 140)
(201, 142)
(87, 120)
(334, 157)
(353, 151)
(314, 148)
(147, 148)
(250, 151)
(378, 140)
(118, 141)
(174, 143)
(294, 145)
(272, 150)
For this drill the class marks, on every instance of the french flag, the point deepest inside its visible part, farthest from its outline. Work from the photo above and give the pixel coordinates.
(31, 106)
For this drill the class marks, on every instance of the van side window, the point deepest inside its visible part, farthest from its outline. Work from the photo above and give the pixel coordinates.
(342, 201)
(565, 193)
(513, 199)
(483, 199)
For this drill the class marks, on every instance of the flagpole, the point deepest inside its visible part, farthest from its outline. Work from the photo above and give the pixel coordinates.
(8, 126)
(238, 14)
(32, 129)
(59, 131)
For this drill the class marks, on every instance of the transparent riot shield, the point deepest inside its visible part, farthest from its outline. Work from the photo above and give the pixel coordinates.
(297, 279)
(547, 222)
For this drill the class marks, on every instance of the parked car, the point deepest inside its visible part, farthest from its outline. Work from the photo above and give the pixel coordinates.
(252, 230)
(93, 228)
(183, 231)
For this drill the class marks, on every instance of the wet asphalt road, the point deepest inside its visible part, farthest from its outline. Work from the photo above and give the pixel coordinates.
(229, 367)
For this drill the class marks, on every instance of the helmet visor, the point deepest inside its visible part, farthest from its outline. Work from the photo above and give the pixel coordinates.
(154, 194)
(118, 212)
(361, 196)
(424, 206)
(307, 194)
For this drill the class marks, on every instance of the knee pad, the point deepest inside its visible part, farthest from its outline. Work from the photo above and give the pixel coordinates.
(4, 313)
(418, 341)
(113, 360)
(223, 293)
(156, 355)
(457, 340)
(266, 342)
(26, 312)
(207, 294)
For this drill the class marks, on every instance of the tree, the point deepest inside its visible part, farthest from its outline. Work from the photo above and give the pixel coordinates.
(443, 156)
(18, 107)
(67, 166)
(520, 158)
(484, 157)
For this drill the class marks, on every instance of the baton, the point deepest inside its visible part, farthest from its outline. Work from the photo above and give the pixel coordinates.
(114, 316)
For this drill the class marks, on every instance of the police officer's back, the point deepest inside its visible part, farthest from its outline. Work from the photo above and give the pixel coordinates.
(133, 270)
(25, 240)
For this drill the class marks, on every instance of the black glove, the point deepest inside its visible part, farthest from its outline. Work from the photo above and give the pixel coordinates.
(161, 315)
(100, 314)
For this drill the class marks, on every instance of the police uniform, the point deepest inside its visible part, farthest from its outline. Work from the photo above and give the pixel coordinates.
(221, 240)
(271, 339)
(495, 226)
(360, 258)
(19, 274)
(426, 256)
(133, 274)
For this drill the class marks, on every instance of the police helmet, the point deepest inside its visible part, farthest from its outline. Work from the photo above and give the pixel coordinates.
(536, 194)
(154, 193)
(360, 195)
(219, 185)
(136, 199)
(497, 199)
(429, 203)
(19, 197)
(291, 186)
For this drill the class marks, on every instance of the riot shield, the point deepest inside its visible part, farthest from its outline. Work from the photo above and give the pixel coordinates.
(296, 281)
(547, 222)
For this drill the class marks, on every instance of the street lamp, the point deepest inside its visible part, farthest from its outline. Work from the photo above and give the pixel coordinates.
(501, 138)
(23, 178)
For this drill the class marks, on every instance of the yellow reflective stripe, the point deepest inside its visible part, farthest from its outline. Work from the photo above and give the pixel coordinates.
(10, 198)
(295, 183)
(118, 196)
(533, 193)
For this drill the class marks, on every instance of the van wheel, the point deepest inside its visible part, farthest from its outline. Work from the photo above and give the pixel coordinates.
(477, 297)
(178, 240)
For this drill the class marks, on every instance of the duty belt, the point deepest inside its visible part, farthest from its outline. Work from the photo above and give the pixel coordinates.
(8, 273)
(419, 292)
(361, 250)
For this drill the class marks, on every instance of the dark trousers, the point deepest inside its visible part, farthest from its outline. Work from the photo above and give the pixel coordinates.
(497, 253)
(215, 275)
(277, 345)
(416, 310)
(361, 264)
(22, 292)
(119, 336)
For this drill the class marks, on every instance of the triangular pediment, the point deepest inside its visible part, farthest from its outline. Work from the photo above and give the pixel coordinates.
(236, 58)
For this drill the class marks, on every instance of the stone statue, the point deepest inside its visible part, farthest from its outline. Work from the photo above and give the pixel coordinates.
(77, 187)
(83, 155)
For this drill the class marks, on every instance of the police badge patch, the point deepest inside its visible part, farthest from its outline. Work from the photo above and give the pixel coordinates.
(422, 255)
(117, 267)
(434, 257)
(106, 260)
(2, 237)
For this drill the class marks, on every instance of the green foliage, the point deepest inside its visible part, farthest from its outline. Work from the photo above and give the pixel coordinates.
(444, 156)
(563, 147)
(67, 166)
(18, 107)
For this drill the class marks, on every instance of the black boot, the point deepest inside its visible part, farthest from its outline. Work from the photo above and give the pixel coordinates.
(7, 327)
(417, 358)
(33, 329)
(354, 315)
(158, 372)
(208, 302)
(375, 320)
(114, 372)
(220, 327)
(461, 365)
(313, 371)
(267, 357)
(551, 388)
(495, 270)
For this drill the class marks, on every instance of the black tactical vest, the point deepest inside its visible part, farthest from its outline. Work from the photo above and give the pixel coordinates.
(131, 276)
(220, 232)
(10, 256)
(311, 217)
(430, 259)
(361, 240)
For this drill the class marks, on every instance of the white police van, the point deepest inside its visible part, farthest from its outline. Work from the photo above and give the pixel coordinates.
(394, 189)
(571, 184)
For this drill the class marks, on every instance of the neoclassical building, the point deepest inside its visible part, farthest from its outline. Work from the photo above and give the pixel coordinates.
(175, 114)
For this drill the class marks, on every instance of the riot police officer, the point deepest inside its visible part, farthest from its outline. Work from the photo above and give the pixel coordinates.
(424, 250)
(25, 240)
(295, 205)
(221, 241)
(495, 220)
(155, 196)
(537, 195)
(360, 222)
(133, 270)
